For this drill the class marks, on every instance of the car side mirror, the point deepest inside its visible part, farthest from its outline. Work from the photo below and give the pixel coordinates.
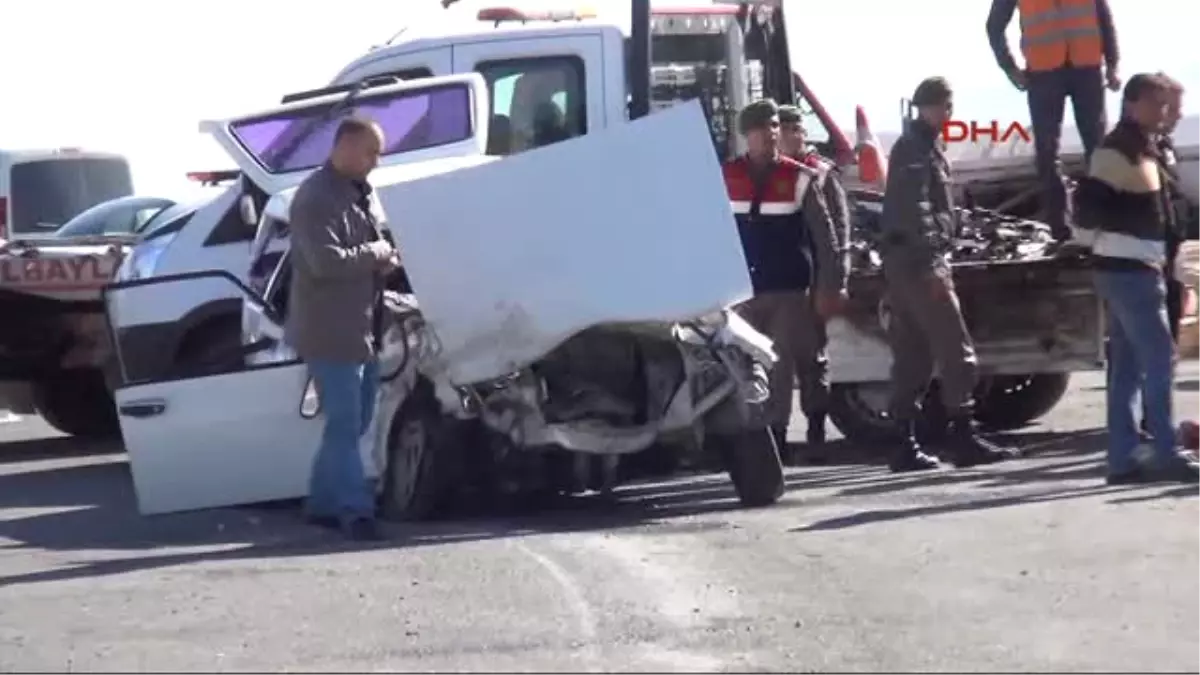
(310, 403)
(248, 211)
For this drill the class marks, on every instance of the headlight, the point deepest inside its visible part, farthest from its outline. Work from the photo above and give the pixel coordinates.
(141, 261)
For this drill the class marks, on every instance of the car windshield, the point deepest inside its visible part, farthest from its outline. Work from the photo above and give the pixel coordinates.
(117, 216)
(300, 139)
(45, 194)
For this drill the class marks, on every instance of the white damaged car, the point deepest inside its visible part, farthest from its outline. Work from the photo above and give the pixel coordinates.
(512, 356)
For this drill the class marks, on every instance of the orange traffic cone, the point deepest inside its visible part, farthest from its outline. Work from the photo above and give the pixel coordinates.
(871, 168)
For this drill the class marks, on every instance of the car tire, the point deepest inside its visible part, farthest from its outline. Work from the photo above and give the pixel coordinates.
(752, 460)
(1012, 401)
(78, 402)
(422, 459)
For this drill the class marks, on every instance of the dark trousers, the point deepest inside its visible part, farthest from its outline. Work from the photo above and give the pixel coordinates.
(1048, 93)
(790, 320)
(926, 332)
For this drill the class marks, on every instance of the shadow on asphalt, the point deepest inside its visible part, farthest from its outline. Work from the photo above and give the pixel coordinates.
(60, 447)
(1077, 456)
(90, 508)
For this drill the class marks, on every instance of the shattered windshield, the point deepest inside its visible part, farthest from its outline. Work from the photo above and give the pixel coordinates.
(300, 139)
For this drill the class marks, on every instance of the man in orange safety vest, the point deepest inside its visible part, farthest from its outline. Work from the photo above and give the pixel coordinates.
(1070, 51)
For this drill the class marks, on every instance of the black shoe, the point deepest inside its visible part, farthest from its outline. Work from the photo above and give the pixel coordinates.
(1179, 468)
(327, 522)
(1134, 476)
(968, 448)
(918, 461)
(363, 529)
(908, 456)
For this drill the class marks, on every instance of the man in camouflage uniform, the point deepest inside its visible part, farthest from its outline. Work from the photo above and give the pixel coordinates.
(926, 326)
(791, 251)
(812, 369)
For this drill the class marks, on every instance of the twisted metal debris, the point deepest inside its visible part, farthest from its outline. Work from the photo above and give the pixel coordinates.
(984, 236)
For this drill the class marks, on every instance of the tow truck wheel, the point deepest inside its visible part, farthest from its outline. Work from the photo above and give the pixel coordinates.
(752, 460)
(860, 411)
(1012, 401)
(422, 459)
(78, 402)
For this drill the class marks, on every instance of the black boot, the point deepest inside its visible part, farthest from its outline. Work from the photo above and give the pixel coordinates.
(814, 450)
(967, 448)
(779, 433)
(908, 455)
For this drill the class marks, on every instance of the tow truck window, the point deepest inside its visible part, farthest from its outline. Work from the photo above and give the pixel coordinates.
(45, 194)
(301, 139)
(814, 130)
(535, 102)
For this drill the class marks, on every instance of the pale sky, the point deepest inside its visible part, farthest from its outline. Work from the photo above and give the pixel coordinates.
(136, 76)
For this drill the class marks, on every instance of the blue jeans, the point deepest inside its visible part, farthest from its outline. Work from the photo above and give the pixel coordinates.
(1140, 353)
(338, 486)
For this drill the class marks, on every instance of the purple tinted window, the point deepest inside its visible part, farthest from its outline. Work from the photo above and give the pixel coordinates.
(412, 120)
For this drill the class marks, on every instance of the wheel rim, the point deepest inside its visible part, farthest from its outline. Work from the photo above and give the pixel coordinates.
(406, 462)
(1011, 385)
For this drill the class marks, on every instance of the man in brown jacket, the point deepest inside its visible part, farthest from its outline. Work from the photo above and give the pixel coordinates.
(925, 326)
(339, 257)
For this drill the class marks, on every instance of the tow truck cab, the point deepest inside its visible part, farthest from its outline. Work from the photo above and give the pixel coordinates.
(559, 74)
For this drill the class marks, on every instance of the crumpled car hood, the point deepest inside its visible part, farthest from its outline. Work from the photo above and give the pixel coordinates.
(509, 259)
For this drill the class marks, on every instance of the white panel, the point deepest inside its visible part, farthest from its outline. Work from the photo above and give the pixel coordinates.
(220, 441)
(628, 224)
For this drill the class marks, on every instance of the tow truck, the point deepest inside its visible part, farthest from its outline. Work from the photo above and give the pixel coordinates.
(52, 330)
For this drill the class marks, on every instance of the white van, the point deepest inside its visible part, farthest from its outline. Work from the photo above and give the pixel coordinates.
(40, 190)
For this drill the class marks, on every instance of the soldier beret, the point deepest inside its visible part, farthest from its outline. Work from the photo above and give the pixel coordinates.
(757, 115)
(932, 91)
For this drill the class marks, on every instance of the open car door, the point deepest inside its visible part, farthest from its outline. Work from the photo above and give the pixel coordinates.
(198, 440)
(428, 118)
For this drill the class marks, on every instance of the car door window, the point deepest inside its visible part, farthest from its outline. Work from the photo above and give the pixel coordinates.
(535, 102)
(121, 221)
(142, 217)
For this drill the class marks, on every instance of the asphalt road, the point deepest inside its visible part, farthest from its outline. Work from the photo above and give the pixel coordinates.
(1030, 566)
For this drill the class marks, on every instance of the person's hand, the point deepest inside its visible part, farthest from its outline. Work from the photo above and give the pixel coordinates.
(830, 305)
(1112, 79)
(1018, 79)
